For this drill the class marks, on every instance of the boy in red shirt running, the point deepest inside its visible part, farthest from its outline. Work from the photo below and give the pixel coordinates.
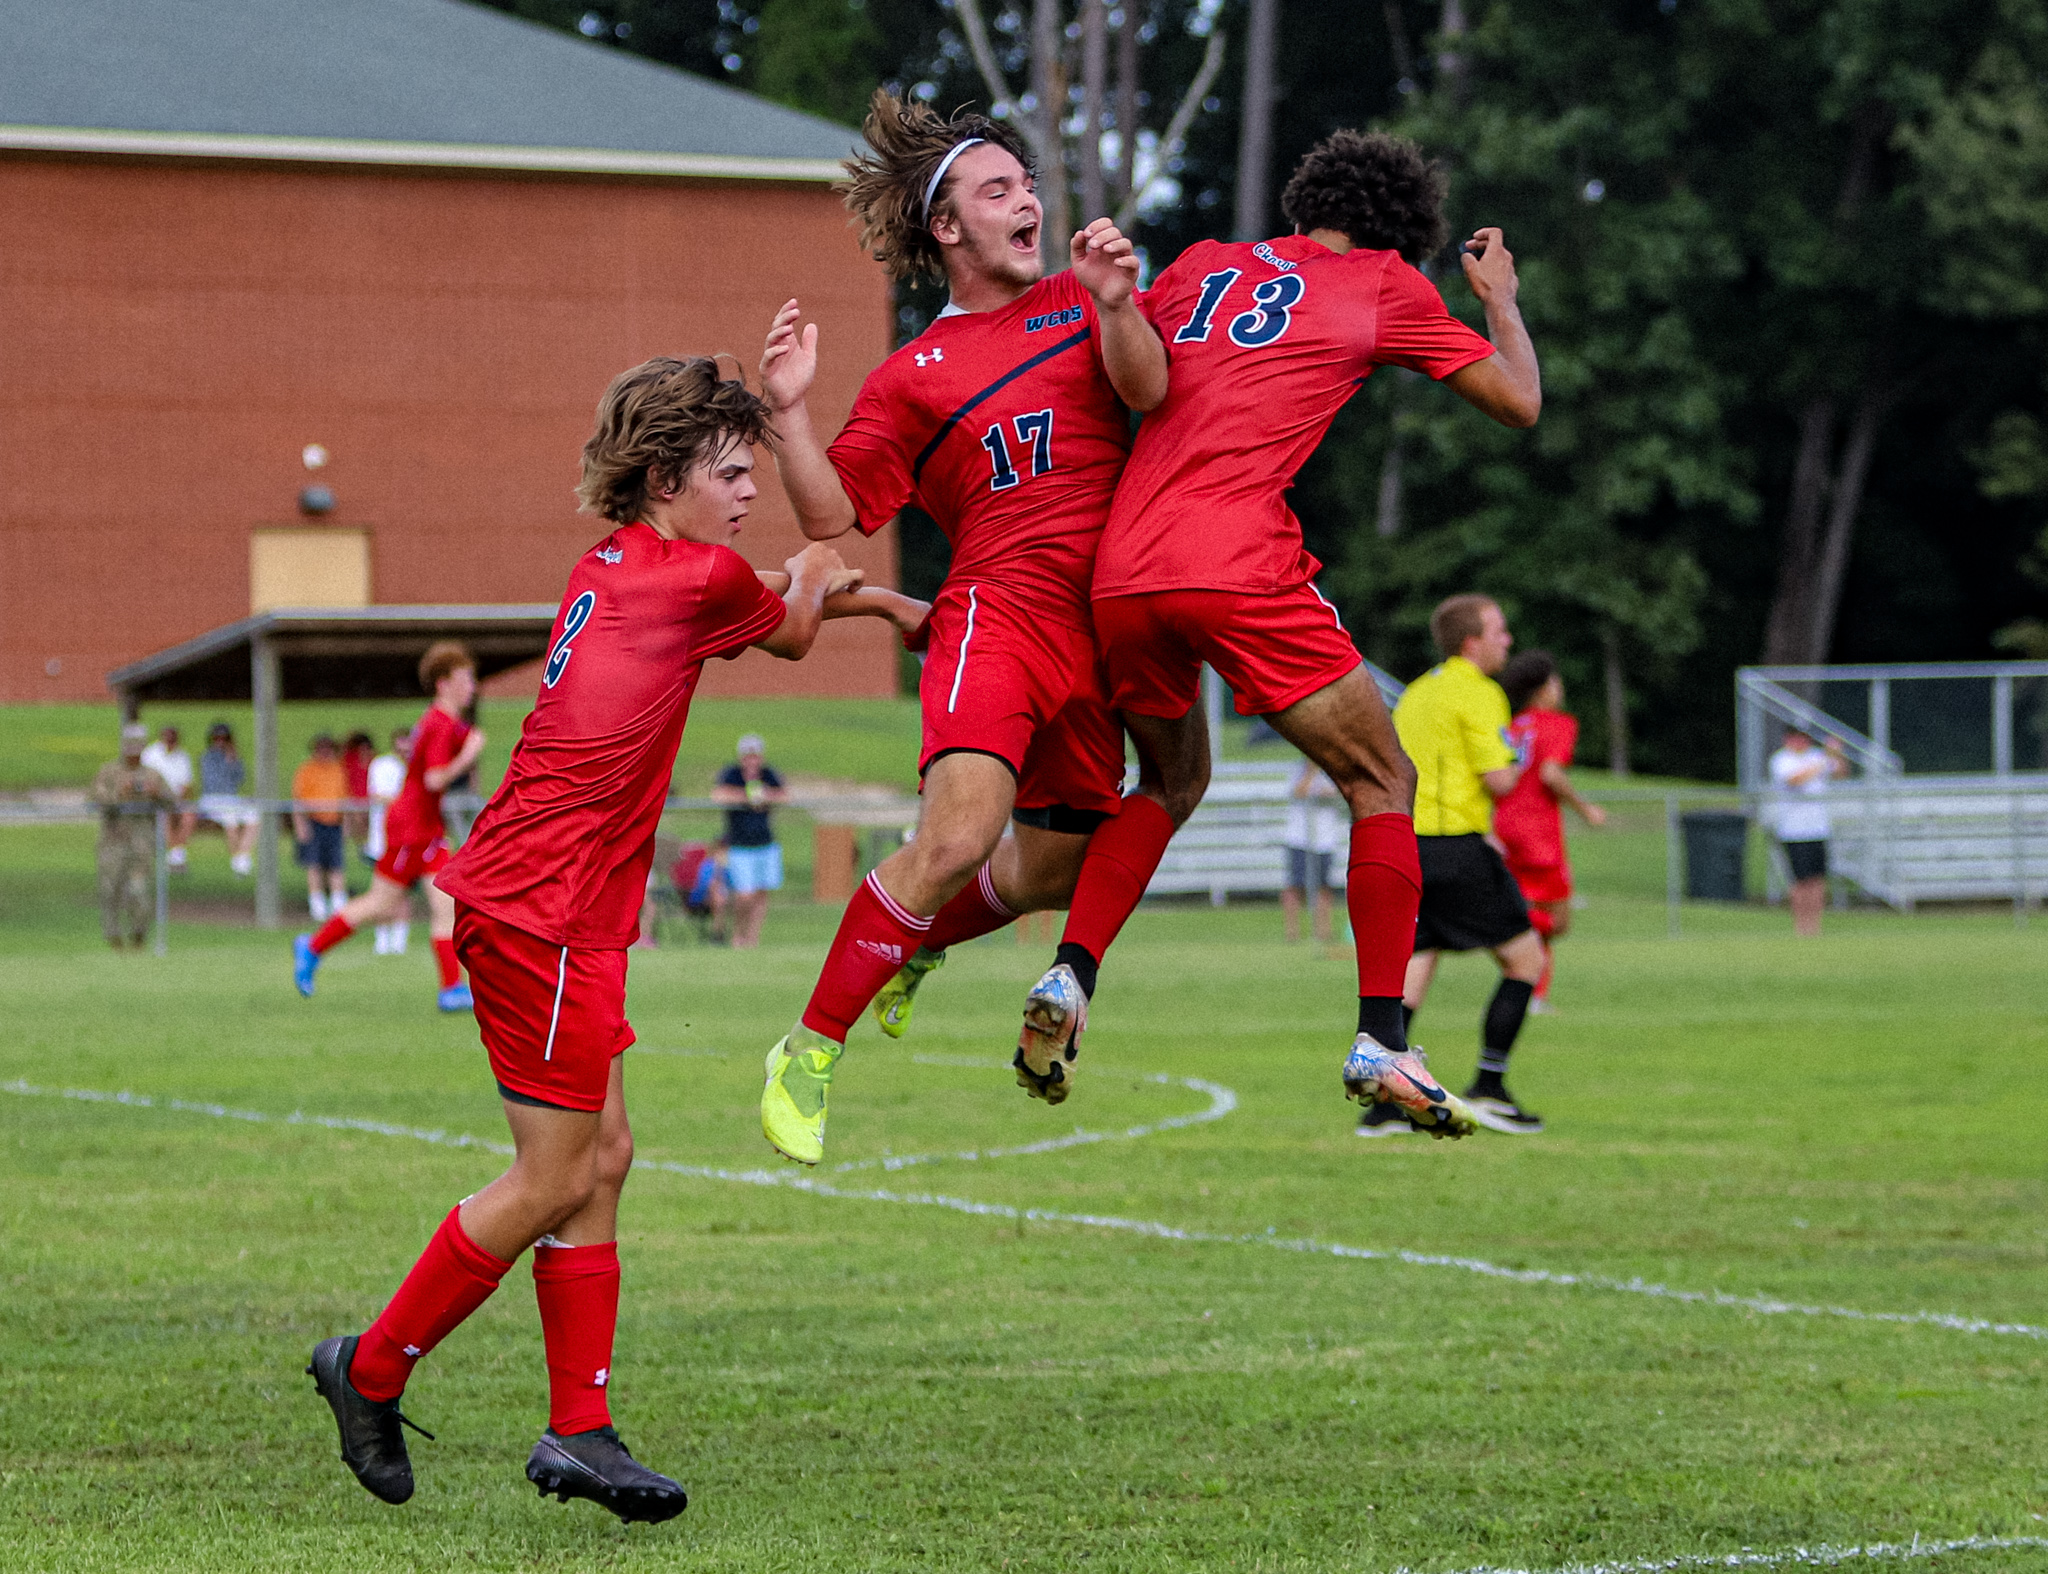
(1529, 821)
(548, 890)
(1008, 422)
(1202, 559)
(444, 746)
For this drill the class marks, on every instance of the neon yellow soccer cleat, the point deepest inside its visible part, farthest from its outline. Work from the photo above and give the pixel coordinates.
(892, 1005)
(793, 1103)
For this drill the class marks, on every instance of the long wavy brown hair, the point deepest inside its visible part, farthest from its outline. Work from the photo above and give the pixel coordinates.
(884, 187)
(654, 423)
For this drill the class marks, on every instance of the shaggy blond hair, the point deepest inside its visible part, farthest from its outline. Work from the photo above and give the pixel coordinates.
(657, 421)
(885, 186)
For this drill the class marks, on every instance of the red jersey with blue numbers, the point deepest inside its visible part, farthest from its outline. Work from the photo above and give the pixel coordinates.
(563, 848)
(414, 818)
(1003, 426)
(1267, 342)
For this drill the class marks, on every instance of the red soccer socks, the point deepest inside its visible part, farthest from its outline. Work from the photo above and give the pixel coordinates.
(975, 912)
(1382, 893)
(876, 937)
(453, 1277)
(444, 958)
(331, 934)
(1121, 858)
(578, 1291)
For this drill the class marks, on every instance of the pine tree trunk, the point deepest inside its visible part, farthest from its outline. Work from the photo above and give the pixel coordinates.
(1255, 137)
(1094, 96)
(1617, 701)
(1831, 568)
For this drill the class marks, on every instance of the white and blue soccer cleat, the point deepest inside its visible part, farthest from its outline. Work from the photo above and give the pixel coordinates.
(1055, 1012)
(1372, 1072)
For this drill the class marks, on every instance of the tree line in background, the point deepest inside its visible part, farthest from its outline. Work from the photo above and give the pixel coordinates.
(1786, 265)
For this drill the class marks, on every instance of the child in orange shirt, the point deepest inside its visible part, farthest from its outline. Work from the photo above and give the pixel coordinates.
(318, 788)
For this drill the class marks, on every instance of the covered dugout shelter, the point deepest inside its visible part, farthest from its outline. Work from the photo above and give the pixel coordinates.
(317, 653)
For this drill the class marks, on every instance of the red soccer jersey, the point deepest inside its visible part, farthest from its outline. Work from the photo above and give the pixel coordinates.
(1527, 820)
(563, 848)
(1267, 342)
(414, 818)
(1003, 426)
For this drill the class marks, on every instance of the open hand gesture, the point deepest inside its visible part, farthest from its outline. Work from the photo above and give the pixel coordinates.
(789, 360)
(1489, 267)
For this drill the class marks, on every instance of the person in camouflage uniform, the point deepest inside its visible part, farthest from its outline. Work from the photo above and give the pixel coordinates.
(122, 791)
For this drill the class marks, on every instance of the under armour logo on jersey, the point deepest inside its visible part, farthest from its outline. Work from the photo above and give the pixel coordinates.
(892, 954)
(604, 1375)
(610, 554)
(414, 1351)
(935, 355)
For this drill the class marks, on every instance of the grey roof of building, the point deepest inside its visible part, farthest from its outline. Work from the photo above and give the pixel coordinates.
(272, 73)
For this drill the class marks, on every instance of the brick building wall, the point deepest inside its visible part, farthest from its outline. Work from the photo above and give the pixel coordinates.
(174, 333)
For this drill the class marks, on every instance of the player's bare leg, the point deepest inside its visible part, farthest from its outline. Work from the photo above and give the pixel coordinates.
(1344, 728)
(967, 802)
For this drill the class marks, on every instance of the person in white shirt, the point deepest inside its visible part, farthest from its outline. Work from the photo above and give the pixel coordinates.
(174, 765)
(1800, 774)
(387, 780)
(1313, 833)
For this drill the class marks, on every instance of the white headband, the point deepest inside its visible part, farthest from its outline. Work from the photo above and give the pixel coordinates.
(939, 174)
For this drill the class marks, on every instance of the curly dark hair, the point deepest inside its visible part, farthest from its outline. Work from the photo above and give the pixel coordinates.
(655, 422)
(1378, 189)
(885, 186)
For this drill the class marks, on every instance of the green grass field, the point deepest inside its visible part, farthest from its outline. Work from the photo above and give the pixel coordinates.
(852, 1382)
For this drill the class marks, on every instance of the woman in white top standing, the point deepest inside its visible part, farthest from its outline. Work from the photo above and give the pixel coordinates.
(1801, 772)
(1312, 837)
(387, 781)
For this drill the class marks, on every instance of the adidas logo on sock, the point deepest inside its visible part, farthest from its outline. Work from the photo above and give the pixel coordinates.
(877, 948)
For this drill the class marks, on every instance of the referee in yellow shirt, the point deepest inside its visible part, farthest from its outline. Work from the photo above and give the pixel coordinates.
(1453, 722)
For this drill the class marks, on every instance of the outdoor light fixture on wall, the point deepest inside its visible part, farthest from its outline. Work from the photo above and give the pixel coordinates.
(315, 500)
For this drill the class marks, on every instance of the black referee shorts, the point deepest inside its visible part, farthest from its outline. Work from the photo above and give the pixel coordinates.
(1469, 900)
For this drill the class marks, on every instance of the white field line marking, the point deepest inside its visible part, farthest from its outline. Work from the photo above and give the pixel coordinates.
(1768, 1306)
(1824, 1556)
(1221, 1102)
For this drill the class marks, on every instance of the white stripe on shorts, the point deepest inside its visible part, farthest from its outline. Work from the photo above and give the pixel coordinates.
(1325, 600)
(561, 978)
(960, 667)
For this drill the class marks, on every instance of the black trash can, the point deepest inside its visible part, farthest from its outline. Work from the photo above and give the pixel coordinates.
(1714, 843)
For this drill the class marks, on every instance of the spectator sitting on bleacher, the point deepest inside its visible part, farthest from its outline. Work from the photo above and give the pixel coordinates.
(174, 765)
(221, 774)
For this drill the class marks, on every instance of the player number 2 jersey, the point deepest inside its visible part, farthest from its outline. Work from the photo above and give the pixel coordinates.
(1267, 341)
(1004, 427)
(563, 848)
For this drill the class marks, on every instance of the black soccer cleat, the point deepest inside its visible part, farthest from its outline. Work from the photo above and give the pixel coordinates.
(1496, 1110)
(596, 1465)
(372, 1442)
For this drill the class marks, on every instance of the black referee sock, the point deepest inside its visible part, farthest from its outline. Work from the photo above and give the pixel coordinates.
(1384, 1017)
(1504, 1014)
(1081, 962)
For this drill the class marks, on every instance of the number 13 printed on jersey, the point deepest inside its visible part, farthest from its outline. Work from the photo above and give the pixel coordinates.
(1273, 302)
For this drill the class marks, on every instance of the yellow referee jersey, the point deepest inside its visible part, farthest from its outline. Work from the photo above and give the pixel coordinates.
(1453, 722)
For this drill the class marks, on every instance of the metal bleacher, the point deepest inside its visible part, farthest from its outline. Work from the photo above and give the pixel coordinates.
(1232, 844)
(1948, 800)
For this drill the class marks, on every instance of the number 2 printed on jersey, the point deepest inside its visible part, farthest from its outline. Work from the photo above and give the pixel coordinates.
(1034, 431)
(1273, 303)
(572, 625)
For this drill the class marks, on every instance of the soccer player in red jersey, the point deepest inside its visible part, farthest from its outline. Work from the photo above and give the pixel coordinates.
(1008, 422)
(415, 840)
(1203, 561)
(548, 890)
(1529, 821)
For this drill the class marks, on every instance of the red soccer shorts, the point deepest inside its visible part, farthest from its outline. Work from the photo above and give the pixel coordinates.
(552, 1017)
(1271, 648)
(405, 862)
(1027, 690)
(1542, 882)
